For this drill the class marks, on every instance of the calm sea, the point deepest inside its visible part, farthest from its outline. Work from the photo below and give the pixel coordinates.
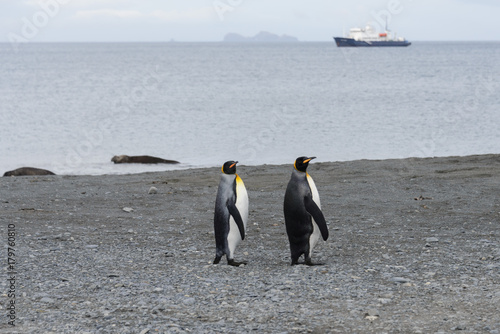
(71, 107)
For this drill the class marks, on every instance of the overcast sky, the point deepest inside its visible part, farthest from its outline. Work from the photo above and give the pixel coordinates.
(210, 20)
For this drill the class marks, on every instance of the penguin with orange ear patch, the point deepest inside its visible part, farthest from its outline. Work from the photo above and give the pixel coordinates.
(304, 221)
(231, 214)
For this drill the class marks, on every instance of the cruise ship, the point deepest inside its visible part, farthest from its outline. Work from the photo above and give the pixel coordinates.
(368, 36)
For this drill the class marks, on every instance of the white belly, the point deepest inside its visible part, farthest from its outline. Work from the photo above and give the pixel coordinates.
(314, 190)
(313, 239)
(234, 236)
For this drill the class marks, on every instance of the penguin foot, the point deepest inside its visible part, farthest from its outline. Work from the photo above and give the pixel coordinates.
(217, 259)
(231, 262)
(309, 263)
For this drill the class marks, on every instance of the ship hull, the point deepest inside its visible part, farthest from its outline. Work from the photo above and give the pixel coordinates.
(351, 42)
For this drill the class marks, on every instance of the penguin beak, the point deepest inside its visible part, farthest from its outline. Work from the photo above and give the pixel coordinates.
(309, 159)
(233, 164)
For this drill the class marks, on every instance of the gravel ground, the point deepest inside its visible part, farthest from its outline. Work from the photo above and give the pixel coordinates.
(413, 248)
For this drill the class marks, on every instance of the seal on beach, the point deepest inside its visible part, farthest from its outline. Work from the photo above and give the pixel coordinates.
(28, 171)
(141, 159)
(231, 214)
(303, 217)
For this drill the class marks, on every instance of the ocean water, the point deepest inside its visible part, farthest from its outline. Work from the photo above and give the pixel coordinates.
(71, 107)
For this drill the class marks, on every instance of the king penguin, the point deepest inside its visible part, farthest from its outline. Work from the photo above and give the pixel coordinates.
(304, 220)
(231, 214)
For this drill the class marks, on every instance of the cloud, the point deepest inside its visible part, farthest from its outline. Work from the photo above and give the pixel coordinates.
(88, 14)
(195, 14)
(172, 16)
(98, 3)
(493, 3)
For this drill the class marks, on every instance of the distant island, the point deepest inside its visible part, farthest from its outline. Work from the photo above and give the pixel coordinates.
(262, 36)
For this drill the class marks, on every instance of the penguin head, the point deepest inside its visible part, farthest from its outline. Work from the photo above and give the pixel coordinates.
(229, 167)
(301, 163)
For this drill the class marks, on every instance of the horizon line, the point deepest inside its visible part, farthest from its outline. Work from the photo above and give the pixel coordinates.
(240, 42)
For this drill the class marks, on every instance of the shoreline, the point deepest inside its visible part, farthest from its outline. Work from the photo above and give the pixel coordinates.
(187, 166)
(414, 247)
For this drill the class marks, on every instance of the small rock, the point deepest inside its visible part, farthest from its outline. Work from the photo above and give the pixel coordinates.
(432, 239)
(189, 301)
(62, 236)
(91, 246)
(47, 300)
(144, 331)
(372, 312)
(127, 209)
(153, 190)
(399, 280)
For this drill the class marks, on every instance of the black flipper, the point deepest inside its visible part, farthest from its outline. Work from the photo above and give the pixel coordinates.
(233, 210)
(317, 215)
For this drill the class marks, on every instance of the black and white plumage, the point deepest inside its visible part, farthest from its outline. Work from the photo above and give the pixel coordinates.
(231, 214)
(304, 220)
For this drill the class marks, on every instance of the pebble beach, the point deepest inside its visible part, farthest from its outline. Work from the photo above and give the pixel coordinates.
(414, 247)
